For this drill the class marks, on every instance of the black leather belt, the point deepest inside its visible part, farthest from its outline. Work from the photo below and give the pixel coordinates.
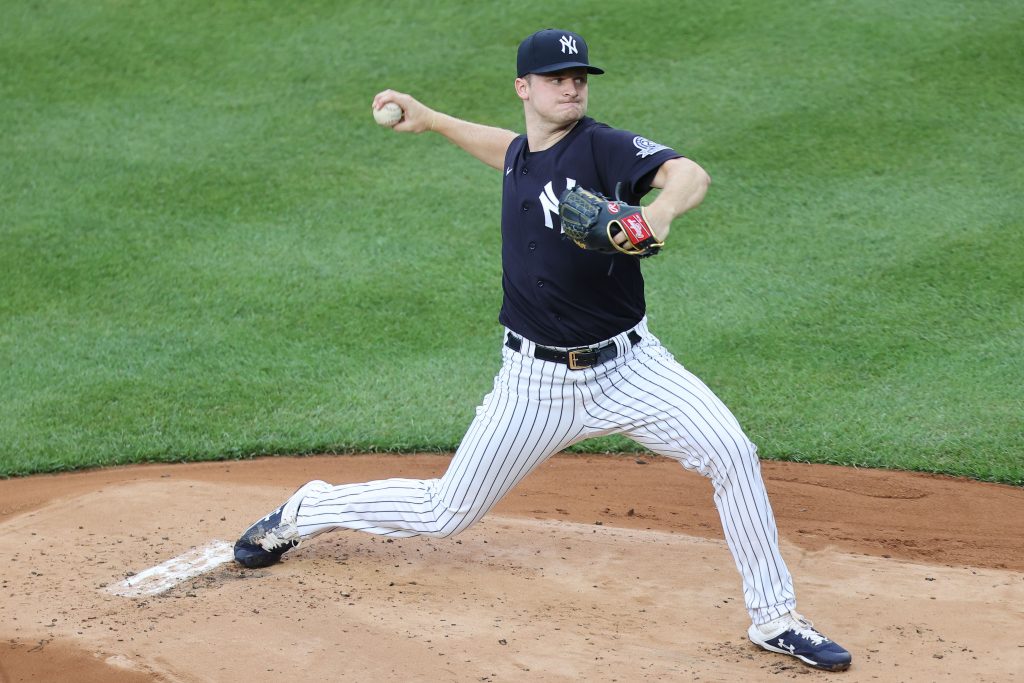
(577, 359)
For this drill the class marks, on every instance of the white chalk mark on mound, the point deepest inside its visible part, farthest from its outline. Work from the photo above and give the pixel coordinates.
(172, 572)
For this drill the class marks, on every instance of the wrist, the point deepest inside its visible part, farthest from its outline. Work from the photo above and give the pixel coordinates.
(658, 220)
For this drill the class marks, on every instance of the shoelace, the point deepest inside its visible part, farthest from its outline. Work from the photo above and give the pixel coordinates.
(272, 541)
(804, 628)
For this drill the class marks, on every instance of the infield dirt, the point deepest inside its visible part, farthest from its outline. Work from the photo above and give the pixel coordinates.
(598, 568)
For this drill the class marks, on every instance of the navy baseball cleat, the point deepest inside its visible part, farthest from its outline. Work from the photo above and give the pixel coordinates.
(794, 635)
(264, 542)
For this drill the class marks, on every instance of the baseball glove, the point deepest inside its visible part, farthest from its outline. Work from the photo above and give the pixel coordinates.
(593, 221)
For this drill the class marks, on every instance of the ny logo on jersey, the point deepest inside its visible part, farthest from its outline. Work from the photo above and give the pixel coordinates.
(568, 45)
(549, 201)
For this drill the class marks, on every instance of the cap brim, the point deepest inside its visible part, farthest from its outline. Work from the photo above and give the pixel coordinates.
(562, 66)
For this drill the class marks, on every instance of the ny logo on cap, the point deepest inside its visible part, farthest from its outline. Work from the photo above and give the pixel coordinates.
(568, 45)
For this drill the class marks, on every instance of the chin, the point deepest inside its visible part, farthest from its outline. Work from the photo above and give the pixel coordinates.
(570, 114)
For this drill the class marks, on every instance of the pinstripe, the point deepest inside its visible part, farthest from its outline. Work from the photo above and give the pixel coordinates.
(537, 408)
(661, 441)
(746, 514)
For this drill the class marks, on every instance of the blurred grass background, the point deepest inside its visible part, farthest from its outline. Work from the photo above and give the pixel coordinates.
(208, 249)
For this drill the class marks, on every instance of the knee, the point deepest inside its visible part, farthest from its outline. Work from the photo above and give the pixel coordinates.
(454, 521)
(747, 448)
(736, 452)
(740, 452)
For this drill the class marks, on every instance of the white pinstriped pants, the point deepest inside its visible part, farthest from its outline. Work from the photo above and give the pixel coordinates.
(538, 408)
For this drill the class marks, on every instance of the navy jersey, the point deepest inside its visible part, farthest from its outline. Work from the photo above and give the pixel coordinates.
(555, 293)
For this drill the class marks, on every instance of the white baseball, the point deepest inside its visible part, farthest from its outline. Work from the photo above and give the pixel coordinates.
(388, 115)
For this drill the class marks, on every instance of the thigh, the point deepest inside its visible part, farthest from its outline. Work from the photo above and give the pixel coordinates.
(677, 415)
(526, 418)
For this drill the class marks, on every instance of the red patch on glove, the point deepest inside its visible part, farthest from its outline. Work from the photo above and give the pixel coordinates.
(636, 228)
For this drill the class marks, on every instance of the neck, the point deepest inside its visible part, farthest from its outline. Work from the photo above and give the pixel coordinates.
(542, 135)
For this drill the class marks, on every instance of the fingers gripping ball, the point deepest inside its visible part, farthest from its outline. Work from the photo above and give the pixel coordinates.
(388, 115)
(593, 222)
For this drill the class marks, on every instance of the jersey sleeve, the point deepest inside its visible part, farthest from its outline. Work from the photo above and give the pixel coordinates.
(633, 160)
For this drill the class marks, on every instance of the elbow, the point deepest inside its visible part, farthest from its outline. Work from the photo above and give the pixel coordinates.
(700, 177)
(685, 180)
(699, 182)
(705, 179)
(690, 173)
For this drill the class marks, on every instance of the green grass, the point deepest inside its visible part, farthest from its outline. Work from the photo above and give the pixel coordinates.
(209, 250)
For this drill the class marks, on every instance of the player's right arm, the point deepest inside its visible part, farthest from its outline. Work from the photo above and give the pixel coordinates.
(486, 143)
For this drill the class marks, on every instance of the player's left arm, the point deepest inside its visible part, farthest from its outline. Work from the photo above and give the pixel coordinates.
(683, 184)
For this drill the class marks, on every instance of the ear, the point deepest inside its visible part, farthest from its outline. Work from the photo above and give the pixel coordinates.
(523, 88)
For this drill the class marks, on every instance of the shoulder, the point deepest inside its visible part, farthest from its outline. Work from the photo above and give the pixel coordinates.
(515, 147)
(599, 136)
(639, 145)
(590, 128)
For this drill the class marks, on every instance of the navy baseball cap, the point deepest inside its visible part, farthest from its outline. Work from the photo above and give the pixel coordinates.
(553, 50)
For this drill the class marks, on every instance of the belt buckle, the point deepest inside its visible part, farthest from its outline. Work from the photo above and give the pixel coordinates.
(575, 363)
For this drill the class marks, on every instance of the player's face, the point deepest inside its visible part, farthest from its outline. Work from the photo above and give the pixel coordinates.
(559, 97)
